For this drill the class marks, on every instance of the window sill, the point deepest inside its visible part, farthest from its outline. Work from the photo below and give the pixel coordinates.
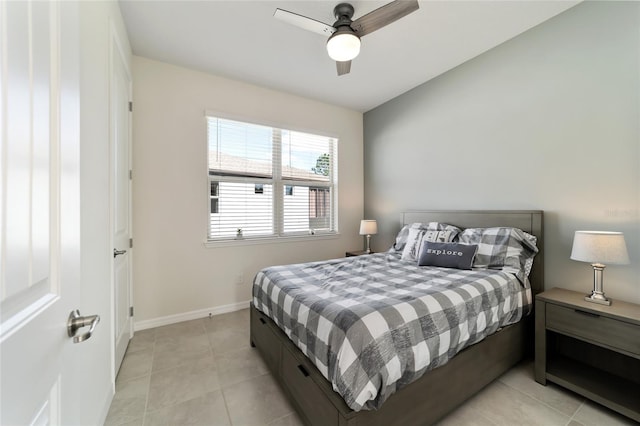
(268, 240)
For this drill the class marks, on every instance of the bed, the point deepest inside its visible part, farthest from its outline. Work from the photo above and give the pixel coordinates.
(365, 389)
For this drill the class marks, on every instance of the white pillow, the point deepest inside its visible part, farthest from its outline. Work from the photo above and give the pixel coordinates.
(417, 236)
(403, 235)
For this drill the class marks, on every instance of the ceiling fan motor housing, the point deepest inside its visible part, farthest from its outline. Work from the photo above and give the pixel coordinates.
(343, 9)
(343, 13)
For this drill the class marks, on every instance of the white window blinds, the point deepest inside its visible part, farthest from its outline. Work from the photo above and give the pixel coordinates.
(269, 182)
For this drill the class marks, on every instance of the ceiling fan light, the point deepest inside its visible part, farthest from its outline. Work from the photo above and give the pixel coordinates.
(343, 46)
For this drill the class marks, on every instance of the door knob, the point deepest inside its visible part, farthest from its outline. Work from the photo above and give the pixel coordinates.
(76, 322)
(118, 252)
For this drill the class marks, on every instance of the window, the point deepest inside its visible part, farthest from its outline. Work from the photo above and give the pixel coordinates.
(269, 182)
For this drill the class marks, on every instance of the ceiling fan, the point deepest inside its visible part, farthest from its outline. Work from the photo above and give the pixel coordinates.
(343, 44)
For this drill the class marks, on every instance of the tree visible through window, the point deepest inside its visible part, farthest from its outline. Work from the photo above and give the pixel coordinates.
(323, 165)
(269, 182)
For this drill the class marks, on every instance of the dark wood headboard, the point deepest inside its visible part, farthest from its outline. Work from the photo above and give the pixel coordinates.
(530, 221)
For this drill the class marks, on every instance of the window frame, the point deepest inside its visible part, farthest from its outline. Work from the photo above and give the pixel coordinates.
(278, 187)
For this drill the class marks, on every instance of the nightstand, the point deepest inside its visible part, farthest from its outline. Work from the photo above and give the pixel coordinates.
(591, 349)
(356, 253)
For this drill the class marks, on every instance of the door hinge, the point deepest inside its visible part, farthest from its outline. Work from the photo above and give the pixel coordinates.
(130, 106)
(130, 242)
(131, 311)
(130, 174)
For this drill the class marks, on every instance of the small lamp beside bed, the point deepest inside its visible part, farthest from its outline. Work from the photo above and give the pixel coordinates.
(368, 228)
(598, 248)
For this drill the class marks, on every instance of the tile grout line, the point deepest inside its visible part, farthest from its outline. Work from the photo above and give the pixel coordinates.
(488, 419)
(146, 399)
(146, 402)
(544, 403)
(142, 376)
(226, 408)
(213, 355)
(282, 417)
(576, 412)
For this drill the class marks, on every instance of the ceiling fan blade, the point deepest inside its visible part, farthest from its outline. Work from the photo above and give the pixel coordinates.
(304, 22)
(344, 67)
(383, 16)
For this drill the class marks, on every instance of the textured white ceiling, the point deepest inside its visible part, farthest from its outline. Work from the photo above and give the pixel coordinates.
(242, 40)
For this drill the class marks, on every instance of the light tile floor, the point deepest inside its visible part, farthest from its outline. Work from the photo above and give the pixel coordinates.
(204, 372)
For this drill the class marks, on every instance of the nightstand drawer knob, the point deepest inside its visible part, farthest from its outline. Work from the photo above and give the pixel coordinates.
(590, 314)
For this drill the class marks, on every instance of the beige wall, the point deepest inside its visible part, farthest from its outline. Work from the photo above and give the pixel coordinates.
(175, 276)
(549, 120)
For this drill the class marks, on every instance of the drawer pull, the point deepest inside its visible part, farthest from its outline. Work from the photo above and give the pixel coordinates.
(589, 314)
(262, 321)
(303, 370)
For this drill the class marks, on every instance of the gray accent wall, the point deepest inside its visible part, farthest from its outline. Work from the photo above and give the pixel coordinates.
(549, 120)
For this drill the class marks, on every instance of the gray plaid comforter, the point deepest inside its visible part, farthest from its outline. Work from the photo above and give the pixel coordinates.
(373, 324)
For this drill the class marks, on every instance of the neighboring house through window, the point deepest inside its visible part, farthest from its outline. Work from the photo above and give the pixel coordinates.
(214, 196)
(269, 182)
(319, 202)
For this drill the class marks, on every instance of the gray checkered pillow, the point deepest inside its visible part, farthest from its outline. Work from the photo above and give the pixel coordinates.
(509, 249)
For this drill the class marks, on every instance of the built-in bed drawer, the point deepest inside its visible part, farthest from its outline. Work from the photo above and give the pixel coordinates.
(262, 336)
(297, 374)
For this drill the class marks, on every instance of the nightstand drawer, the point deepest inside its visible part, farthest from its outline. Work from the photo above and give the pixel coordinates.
(594, 328)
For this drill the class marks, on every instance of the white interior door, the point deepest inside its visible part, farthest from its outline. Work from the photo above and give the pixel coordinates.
(121, 184)
(40, 208)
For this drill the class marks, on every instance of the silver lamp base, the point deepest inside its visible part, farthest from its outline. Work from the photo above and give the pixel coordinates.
(597, 298)
(597, 295)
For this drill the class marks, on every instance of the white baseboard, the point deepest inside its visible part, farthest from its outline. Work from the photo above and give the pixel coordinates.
(187, 316)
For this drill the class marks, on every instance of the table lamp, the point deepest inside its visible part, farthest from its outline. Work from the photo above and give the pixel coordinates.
(368, 228)
(598, 248)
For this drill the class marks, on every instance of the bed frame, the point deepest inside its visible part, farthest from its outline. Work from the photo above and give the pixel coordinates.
(439, 391)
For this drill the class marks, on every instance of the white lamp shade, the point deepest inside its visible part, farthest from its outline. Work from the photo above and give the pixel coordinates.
(343, 46)
(368, 227)
(600, 247)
